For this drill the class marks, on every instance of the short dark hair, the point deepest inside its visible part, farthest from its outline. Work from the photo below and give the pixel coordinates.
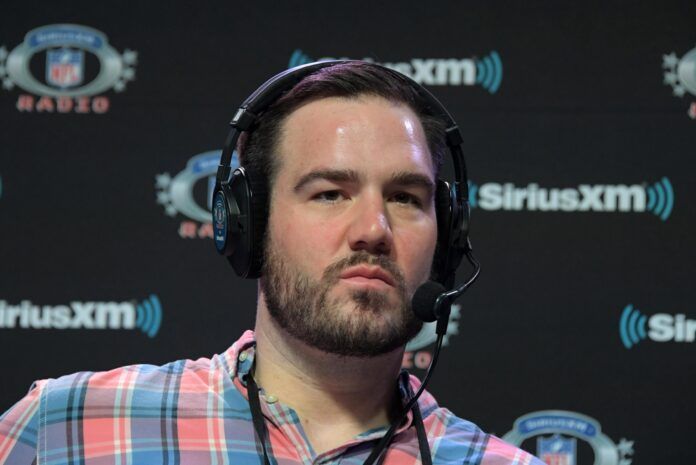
(258, 148)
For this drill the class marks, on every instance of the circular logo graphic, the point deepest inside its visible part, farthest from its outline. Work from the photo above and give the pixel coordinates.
(563, 429)
(69, 49)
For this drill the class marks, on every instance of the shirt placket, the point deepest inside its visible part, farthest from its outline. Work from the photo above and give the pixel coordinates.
(280, 417)
(286, 420)
(288, 423)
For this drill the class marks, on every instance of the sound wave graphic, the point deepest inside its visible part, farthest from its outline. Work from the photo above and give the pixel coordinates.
(489, 72)
(149, 316)
(298, 58)
(632, 326)
(661, 198)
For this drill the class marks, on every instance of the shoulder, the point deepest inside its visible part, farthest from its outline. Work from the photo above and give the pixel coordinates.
(456, 440)
(94, 404)
(461, 441)
(140, 385)
(97, 407)
(141, 389)
(148, 380)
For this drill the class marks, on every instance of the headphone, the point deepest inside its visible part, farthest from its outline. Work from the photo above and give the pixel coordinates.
(240, 201)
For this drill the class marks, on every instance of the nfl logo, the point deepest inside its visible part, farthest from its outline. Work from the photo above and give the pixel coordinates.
(556, 450)
(64, 67)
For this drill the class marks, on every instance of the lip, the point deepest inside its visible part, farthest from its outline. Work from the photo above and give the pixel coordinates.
(368, 274)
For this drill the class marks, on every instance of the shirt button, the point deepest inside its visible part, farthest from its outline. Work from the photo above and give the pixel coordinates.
(271, 399)
(243, 356)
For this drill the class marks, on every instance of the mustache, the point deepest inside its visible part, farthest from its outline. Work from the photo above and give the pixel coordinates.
(332, 272)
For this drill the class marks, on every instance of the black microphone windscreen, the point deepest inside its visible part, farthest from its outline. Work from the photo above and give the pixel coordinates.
(423, 302)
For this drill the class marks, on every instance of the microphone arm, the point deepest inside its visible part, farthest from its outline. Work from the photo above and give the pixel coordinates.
(444, 301)
(384, 442)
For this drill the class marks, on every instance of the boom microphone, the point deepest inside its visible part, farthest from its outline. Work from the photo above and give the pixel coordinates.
(432, 301)
(425, 298)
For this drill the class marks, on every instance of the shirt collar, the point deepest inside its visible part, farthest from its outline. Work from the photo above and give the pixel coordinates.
(239, 359)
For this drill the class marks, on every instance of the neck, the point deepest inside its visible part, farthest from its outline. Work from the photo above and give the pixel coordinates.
(336, 397)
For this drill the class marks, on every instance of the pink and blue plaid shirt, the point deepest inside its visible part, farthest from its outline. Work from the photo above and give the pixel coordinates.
(196, 412)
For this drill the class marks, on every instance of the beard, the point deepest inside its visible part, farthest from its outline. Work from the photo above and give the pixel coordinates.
(358, 323)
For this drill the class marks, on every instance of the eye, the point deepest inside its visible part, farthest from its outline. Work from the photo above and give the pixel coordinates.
(405, 198)
(329, 196)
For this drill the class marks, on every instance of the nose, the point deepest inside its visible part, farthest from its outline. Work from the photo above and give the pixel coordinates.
(370, 229)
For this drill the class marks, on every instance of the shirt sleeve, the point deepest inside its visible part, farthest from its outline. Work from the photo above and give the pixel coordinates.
(19, 429)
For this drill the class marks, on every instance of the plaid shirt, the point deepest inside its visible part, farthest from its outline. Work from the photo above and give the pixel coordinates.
(196, 412)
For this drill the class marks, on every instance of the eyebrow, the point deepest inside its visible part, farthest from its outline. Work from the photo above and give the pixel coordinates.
(402, 178)
(328, 175)
(410, 179)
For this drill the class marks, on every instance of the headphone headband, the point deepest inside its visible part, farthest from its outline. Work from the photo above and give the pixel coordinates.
(273, 89)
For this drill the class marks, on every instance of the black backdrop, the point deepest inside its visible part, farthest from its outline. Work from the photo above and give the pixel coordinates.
(584, 309)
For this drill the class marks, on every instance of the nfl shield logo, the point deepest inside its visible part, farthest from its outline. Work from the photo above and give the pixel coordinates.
(64, 67)
(556, 450)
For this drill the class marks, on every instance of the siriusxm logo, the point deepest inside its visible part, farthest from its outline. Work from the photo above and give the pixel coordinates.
(145, 316)
(657, 198)
(660, 327)
(486, 72)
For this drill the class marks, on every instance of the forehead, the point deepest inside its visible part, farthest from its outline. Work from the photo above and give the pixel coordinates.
(365, 133)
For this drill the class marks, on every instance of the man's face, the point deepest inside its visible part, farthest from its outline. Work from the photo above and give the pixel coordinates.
(352, 225)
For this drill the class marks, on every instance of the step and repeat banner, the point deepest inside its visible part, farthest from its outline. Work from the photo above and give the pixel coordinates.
(578, 341)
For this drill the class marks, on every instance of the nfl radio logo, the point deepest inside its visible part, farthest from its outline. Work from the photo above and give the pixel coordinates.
(64, 67)
(556, 450)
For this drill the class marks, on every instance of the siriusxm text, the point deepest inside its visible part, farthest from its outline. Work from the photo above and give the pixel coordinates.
(436, 71)
(585, 197)
(90, 315)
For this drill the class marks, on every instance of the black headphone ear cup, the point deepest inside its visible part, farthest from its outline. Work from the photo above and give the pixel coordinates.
(247, 222)
(443, 210)
(239, 222)
(259, 214)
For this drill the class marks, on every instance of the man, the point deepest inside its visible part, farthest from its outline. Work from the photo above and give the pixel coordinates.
(350, 157)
